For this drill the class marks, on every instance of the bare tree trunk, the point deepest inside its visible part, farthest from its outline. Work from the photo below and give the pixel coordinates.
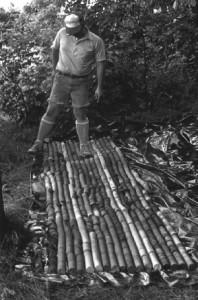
(2, 214)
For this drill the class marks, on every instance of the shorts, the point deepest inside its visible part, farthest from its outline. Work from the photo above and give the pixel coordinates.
(70, 91)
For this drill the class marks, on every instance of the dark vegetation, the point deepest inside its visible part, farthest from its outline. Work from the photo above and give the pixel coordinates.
(152, 76)
(152, 54)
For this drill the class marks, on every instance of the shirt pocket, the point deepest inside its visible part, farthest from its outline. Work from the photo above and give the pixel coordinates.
(86, 54)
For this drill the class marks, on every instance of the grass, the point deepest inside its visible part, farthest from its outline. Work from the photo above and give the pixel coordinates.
(17, 201)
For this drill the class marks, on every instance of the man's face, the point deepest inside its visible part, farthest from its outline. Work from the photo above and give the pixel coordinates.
(78, 34)
(73, 25)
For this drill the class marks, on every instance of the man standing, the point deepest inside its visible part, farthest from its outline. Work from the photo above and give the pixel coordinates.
(74, 51)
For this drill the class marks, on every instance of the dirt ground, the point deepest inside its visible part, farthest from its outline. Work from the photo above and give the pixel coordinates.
(16, 166)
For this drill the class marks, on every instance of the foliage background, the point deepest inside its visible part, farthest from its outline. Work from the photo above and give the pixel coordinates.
(152, 51)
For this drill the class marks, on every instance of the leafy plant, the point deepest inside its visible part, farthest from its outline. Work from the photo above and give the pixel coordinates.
(151, 49)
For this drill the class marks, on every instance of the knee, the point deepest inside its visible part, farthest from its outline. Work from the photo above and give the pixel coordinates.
(80, 113)
(52, 111)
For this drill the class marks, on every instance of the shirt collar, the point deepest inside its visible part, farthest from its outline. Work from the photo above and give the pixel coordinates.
(87, 35)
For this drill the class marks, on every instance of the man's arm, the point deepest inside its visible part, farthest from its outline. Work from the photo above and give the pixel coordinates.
(55, 57)
(100, 66)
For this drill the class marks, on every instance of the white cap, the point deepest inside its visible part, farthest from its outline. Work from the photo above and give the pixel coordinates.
(72, 23)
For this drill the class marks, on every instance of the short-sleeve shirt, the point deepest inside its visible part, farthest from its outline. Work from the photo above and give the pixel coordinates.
(77, 56)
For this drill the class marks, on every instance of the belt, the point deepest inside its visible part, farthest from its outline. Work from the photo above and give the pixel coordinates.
(71, 75)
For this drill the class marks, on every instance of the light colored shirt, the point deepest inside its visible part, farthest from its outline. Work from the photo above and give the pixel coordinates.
(77, 56)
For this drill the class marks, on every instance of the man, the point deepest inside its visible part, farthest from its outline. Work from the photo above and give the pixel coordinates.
(74, 51)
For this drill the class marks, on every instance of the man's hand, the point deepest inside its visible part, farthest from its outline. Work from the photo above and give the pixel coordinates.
(53, 75)
(98, 94)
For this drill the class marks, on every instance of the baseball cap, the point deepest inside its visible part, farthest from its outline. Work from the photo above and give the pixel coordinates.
(72, 23)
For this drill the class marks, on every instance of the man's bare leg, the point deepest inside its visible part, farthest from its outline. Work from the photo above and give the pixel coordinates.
(45, 127)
